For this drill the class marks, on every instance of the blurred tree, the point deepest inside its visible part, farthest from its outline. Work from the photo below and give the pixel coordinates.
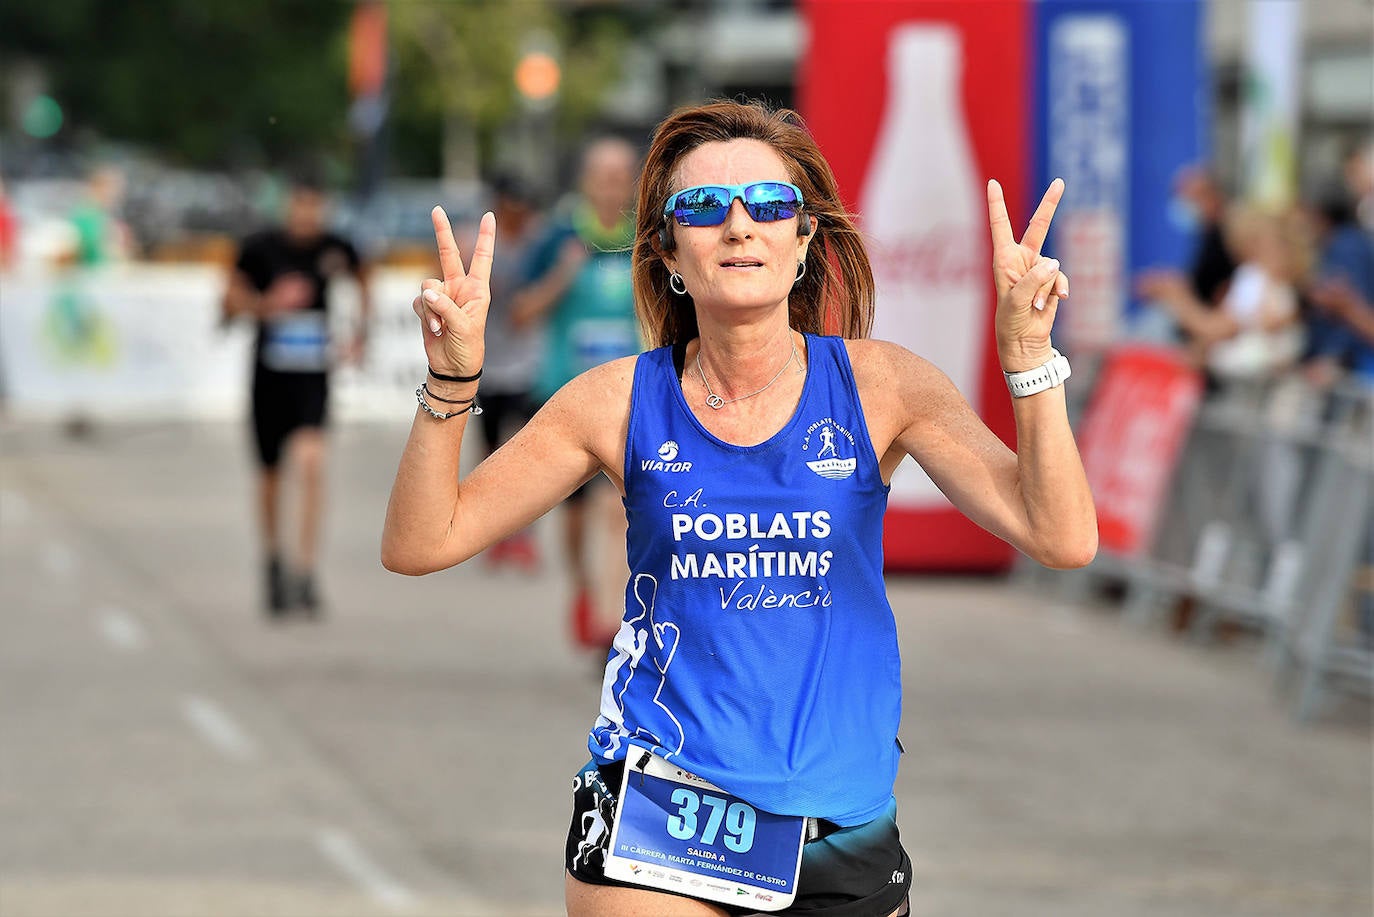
(244, 83)
(454, 74)
(247, 82)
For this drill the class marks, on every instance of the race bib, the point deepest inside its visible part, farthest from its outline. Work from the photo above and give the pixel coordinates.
(597, 341)
(676, 832)
(297, 342)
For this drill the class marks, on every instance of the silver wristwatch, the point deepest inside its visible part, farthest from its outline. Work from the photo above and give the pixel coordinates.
(1046, 375)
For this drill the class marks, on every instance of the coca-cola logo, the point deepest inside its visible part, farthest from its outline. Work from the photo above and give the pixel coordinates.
(941, 256)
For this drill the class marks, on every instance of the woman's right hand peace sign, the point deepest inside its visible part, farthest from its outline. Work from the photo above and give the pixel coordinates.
(1029, 286)
(453, 311)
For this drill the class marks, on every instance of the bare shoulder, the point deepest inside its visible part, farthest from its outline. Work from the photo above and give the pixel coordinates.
(595, 406)
(902, 394)
(608, 382)
(884, 370)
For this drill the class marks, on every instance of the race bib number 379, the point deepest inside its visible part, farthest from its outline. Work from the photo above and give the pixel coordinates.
(677, 832)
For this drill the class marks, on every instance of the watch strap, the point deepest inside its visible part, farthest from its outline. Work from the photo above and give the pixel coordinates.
(1045, 376)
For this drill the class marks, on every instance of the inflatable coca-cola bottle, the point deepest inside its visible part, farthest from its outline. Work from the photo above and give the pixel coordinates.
(923, 210)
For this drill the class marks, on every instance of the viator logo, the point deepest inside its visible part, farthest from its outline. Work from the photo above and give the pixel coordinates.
(666, 461)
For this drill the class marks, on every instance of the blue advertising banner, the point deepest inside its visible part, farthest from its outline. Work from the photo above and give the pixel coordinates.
(1122, 105)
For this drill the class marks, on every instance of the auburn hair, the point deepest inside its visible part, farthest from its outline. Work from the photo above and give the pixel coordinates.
(836, 294)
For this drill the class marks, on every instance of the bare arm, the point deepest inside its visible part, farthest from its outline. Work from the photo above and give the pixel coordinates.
(356, 349)
(1036, 498)
(240, 298)
(1202, 323)
(536, 300)
(433, 519)
(363, 276)
(285, 293)
(1339, 299)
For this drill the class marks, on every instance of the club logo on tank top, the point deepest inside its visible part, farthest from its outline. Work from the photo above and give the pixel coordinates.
(666, 461)
(830, 449)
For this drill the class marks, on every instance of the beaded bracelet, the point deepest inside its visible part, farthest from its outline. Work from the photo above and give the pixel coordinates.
(429, 395)
(474, 408)
(443, 378)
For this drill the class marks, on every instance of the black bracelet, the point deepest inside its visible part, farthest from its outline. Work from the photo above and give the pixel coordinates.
(429, 394)
(443, 378)
(473, 408)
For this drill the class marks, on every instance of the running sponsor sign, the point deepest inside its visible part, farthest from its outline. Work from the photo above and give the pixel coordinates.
(1130, 439)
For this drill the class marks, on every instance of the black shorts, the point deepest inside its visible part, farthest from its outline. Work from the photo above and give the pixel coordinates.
(282, 404)
(502, 414)
(849, 872)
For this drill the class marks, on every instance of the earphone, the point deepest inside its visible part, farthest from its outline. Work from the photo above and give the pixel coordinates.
(805, 225)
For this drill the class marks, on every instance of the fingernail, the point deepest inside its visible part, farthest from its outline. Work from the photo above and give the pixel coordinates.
(434, 325)
(1040, 304)
(1054, 264)
(431, 296)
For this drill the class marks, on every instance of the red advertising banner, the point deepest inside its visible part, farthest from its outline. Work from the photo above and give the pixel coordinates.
(1130, 439)
(917, 103)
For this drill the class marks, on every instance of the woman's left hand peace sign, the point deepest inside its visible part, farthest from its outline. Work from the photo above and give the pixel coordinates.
(1029, 286)
(453, 311)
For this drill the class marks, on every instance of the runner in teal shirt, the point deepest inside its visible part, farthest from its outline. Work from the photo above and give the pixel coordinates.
(594, 320)
(580, 288)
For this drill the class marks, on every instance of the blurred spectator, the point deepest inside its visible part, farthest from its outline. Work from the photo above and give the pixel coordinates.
(9, 232)
(579, 286)
(1341, 290)
(101, 235)
(1200, 205)
(1199, 195)
(1359, 179)
(280, 280)
(1254, 331)
(512, 353)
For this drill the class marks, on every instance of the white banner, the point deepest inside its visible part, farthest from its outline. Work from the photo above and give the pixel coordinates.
(132, 341)
(1270, 101)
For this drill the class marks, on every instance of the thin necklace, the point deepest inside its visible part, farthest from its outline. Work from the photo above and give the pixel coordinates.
(715, 402)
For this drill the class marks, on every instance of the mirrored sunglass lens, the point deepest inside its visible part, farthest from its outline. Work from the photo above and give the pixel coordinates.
(771, 201)
(705, 206)
(772, 211)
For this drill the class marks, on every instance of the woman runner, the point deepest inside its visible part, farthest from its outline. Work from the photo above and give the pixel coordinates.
(755, 678)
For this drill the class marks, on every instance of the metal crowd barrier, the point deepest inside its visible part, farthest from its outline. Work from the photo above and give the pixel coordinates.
(1269, 524)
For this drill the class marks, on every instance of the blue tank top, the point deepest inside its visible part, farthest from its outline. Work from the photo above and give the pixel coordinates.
(758, 649)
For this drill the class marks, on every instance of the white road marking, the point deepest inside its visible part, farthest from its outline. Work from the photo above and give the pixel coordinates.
(218, 728)
(343, 852)
(122, 631)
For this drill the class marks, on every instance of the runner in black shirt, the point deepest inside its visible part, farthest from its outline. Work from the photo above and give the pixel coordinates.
(280, 279)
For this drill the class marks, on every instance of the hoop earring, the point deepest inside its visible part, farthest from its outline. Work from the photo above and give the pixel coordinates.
(677, 284)
(801, 270)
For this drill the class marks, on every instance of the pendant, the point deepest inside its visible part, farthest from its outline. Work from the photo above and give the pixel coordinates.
(715, 401)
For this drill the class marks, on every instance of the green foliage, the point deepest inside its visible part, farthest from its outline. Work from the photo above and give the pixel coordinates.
(456, 59)
(217, 83)
(238, 82)
(593, 63)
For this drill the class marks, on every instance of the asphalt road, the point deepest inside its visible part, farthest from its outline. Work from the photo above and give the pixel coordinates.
(166, 751)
